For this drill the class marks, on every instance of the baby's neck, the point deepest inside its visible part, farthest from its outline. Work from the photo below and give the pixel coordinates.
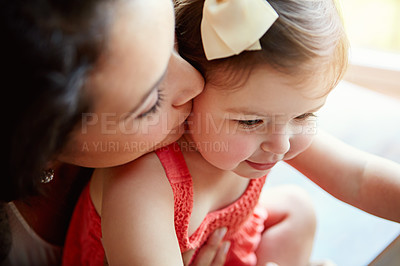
(195, 160)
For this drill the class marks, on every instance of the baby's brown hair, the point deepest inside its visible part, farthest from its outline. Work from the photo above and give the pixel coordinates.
(306, 41)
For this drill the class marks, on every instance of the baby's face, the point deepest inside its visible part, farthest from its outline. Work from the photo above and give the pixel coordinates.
(249, 129)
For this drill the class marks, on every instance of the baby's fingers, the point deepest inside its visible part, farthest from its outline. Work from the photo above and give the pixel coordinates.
(213, 253)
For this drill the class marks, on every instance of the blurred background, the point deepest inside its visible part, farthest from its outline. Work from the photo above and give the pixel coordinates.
(373, 29)
(372, 24)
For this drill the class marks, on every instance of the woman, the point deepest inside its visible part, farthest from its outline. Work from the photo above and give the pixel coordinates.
(93, 84)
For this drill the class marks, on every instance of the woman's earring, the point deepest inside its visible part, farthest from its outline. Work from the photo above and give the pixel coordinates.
(47, 176)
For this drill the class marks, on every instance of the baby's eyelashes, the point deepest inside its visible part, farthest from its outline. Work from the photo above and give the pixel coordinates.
(250, 123)
(305, 116)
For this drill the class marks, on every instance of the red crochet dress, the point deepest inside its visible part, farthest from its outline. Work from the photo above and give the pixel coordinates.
(83, 243)
(243, 218)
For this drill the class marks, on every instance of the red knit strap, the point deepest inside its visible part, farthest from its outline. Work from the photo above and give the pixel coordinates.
(174, 164)
(232, 216)
(175, 167)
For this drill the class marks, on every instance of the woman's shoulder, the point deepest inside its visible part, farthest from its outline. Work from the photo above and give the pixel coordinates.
(21, 245)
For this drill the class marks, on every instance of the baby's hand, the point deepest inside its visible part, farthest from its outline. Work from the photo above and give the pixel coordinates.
(213, 252)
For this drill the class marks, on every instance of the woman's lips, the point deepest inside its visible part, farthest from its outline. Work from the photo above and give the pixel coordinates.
(261, 166)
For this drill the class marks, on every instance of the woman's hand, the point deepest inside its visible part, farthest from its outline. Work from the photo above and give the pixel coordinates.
(213, 252)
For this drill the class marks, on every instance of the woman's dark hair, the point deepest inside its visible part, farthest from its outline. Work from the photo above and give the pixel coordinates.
(47, 51)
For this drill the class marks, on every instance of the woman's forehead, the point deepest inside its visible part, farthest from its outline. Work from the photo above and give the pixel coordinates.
(136, 57)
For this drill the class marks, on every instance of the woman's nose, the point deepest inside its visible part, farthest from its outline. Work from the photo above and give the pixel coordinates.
(189, 82)
(277, 142)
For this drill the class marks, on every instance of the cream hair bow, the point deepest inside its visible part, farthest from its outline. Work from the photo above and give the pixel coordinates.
(229, 27)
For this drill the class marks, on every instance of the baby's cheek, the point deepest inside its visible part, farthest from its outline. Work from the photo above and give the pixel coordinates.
(228, 152)
(240, 149)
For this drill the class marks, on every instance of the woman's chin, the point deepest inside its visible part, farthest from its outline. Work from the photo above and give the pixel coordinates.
(173, 136)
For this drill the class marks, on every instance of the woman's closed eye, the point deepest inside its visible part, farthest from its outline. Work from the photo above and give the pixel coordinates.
(154, 108)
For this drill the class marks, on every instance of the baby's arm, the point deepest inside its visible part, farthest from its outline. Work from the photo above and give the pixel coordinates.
(138, 215)
(363, 180)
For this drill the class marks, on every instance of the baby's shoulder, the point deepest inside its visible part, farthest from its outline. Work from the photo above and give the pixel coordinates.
(147, 165)
(141, 178)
